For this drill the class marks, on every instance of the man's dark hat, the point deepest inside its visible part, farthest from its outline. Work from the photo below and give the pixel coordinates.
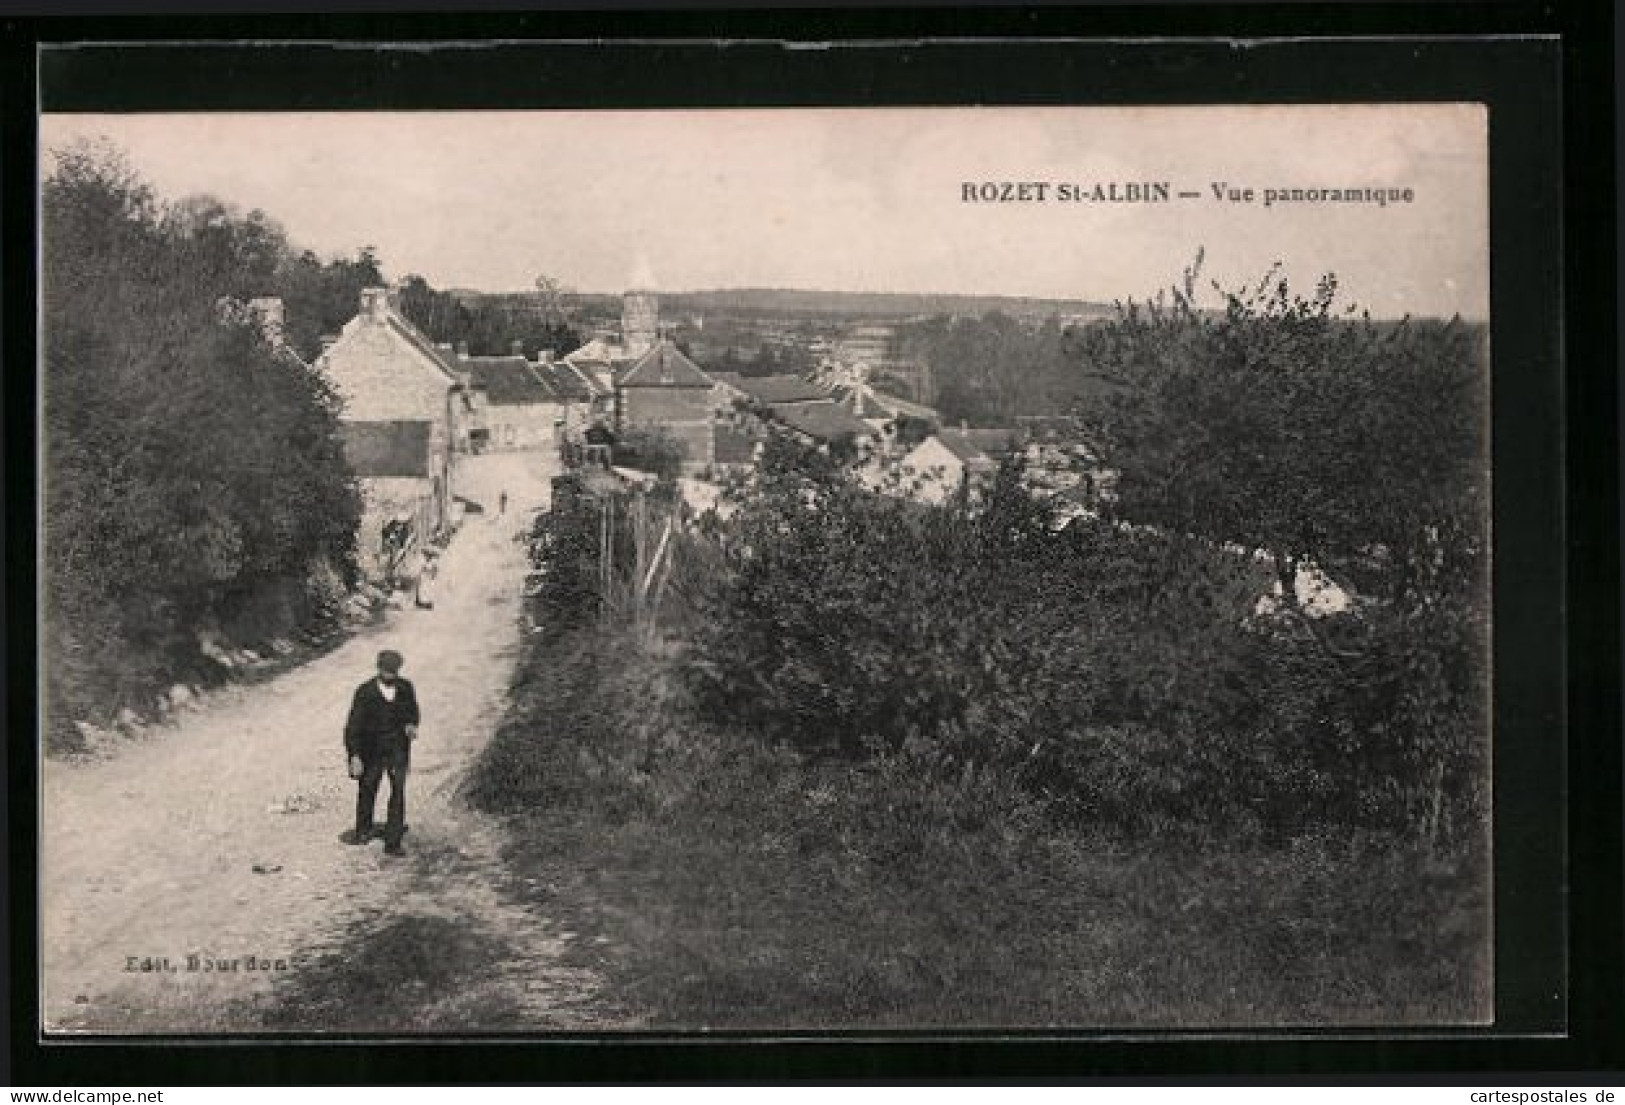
(389, 660)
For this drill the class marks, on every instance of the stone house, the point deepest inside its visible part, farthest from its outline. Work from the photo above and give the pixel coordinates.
(406, 415)
(580, 403)
(519, 406)
(591, 370)
(950, 461)
(664, 389)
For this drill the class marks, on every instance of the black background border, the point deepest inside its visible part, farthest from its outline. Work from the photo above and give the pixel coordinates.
(1559, 978)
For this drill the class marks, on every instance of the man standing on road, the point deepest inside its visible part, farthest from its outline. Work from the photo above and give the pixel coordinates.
(378, 738)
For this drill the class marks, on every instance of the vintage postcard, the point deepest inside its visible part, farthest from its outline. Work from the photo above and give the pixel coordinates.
(533, 571)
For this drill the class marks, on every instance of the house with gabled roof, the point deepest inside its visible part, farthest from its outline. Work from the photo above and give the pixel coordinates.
(581, 405)
(405, 413)
(665, 390)
(900, 424)
(951, 461)
(520, 406)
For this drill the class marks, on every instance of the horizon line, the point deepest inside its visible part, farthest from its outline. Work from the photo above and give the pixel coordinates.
(1102, 303)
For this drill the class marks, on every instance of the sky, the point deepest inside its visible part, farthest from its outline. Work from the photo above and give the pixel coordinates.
(852, 199)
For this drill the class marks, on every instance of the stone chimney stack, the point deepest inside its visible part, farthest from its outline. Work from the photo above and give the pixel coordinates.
(544, 356)
(375, 303)
(462, 351)
(516, 347)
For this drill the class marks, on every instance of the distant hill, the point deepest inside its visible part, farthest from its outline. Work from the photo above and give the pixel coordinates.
(800, 303)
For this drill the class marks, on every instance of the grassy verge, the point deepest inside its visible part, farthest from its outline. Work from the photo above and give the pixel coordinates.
(732, 885)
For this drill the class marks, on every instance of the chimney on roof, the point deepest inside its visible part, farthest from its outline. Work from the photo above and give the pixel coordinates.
(516, 347)
(328, 341)
(544, 356)
(445, 349)
(462, 351)
(375, 303)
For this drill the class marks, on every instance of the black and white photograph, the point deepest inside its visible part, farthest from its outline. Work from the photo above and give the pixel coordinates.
(765, 569)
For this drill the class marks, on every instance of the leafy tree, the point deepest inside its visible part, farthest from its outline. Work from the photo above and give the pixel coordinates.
(992, 369)
(1287, 430)
(440, 315)
(1298, 434)
(321, 296)
(193, 476)
(555, 303)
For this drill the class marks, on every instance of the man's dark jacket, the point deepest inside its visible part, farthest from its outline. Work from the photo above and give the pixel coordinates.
(376, 723)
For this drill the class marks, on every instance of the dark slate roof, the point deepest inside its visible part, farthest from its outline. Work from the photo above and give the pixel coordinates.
(959, 443)
(827, 421)
(734, 446)
(509, 381)
(566, 382)
(780, 389)
(387, 450)
(664, 366)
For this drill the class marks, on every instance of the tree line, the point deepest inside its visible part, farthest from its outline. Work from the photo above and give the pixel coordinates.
(195, 486)
(491, 325)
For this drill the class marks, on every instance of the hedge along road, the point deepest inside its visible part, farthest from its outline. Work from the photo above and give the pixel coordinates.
(188, 883)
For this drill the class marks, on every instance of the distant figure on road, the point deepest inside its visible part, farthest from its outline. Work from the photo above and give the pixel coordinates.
(502, 504)
(378, 738)
(427, 577)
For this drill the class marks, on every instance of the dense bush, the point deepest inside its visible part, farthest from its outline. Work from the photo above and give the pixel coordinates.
(194, 480)
(651, 449)
(1120, 674)
(564, 548)
(729, 881)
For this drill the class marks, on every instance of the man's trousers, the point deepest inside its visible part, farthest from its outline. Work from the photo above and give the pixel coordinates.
(391, 758)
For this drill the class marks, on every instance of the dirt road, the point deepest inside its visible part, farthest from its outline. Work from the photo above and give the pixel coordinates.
(196, 880)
